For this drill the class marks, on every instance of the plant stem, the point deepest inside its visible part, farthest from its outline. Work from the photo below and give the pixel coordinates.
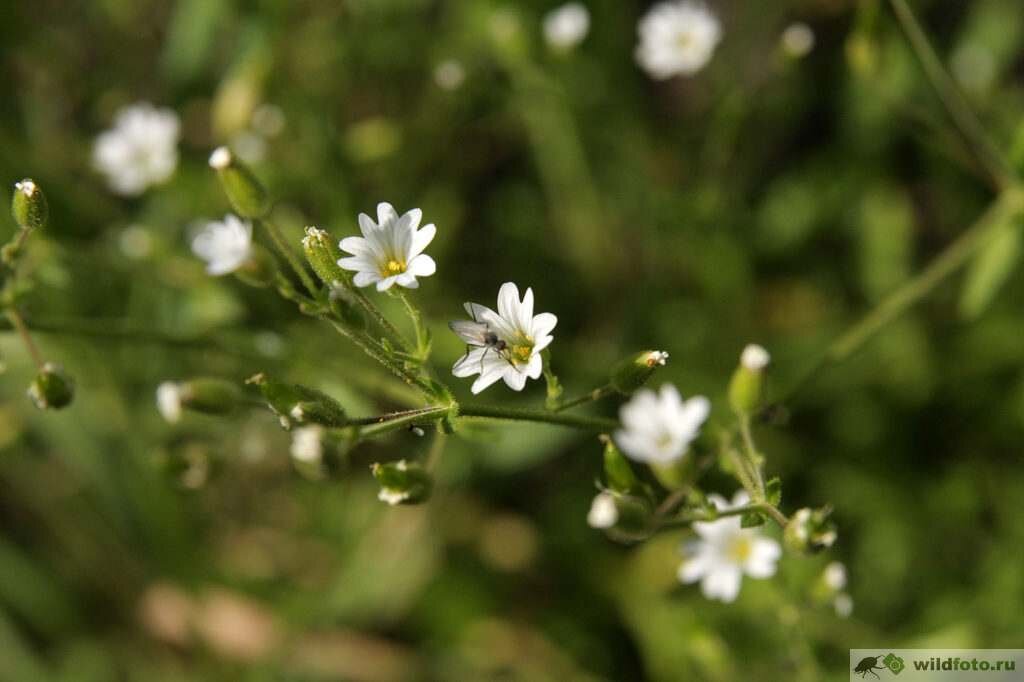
(1009, 204)
(594, 395)
(956, 106)
(19, 324)
(385, 324)
(289, 255)
(417, 323)
(760, 507)
(368, 347)
(752, 459)
(407, 418)
(598, 424)
(392, 416)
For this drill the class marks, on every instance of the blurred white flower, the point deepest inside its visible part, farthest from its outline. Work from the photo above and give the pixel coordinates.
(140, 150)
(659, 427)
(677, 38)
(843, 605)
(168, 401)
(755, 358)
(449, 75)
(225, 245)
(565, 27)
(390, 250)
(507, 343)
(797, 40)
(835, 576)
(723, 552)
(603, 512)
(307, 444)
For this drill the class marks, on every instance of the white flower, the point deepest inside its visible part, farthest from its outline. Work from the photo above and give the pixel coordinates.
(723, 552)
(797, 40)
(676, 38)
(835, 576)
(307, 444)
(168, 401)
(565, 27)
(755, 358)
(224, 245)
(659, 427)
(512, 351)
(140, 150)
(390, 250)
(449, 75)
(603, 512)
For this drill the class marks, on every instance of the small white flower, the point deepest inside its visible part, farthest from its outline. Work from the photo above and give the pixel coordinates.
(307, 444)
(449, 75)
(225, 245)
(797, 40)
(835, 576)
(677, 38)
(659, 427)
(723, 552)
(565, 27)
(390, 250)
(168, 401)
(26, 187)
(519, 336)
(755, 358)
(843, 605)
(392, 496)
(603, 512)
(140, 150)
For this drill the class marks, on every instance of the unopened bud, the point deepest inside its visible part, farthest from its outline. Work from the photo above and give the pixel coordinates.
(296, 404)
(52, 388)
(746, 388)
(209, 395)
(243, 190)
(625, 517)
(633, 372)
(28, 206)
(323, 254)
(617, 472)
(810, 530)
(402, 482)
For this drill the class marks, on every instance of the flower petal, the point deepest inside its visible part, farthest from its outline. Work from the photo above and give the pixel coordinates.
(422, 266)
(515, 379)
(508, 302)
(763, 555)
(722, 582)
(364, 278)
(542, 324)
(421, 239)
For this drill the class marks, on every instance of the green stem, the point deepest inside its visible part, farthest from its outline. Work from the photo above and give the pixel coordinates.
(417, 323)
(1009, 204)
(596, 394)
(956, 106)
(385, 324)
(598, 424)
(425, 415)
(753, 459)
(760, 507)
(289, 255)
(369, 347)
(19, 324)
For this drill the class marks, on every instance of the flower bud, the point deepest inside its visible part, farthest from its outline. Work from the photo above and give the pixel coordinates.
(633, 372)
(322, 254)
(52, 388)
(746, 388)
(625, 517)
(209, 395)
(28, 206)
(295, 404)
(402, 482)
(810, 530)
(617, 471)
(244, 191)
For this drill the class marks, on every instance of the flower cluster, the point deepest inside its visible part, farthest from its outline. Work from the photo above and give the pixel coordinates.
(141, 149)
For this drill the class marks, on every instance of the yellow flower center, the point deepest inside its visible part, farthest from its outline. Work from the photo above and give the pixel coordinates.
(522, 352)
(393, 267)
(740, 549)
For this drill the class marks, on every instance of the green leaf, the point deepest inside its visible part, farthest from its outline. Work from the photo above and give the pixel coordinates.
(751, 520)
(990, 269)
(773, 491)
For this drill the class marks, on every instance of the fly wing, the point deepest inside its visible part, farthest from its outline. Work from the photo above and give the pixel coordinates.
(473, 333)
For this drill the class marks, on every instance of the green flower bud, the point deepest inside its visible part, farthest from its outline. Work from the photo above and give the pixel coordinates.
(746, 389)
(617, 471)
(52, 388)
(633, 372)
(810, 530)
(209, 395)
(244, 191)
(28, 206)
(323, 254)
(402, 482)
(295, 404)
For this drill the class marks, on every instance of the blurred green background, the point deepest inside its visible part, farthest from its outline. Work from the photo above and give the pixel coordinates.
(765, 199)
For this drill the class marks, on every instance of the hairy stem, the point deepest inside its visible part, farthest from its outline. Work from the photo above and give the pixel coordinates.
(19, 325)
(377, 354)
(598, 424)
(391, 422)
(289, 255)
(592, 396)
(417, 324)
